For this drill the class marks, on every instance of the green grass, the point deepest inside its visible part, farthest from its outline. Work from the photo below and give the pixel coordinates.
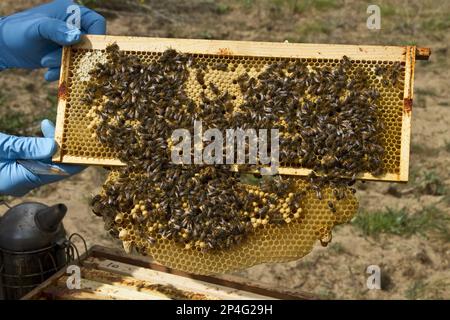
(447, 146)
(420, 289)
(402, 223)
(429, 182)
(206, 35)
(431, 218)
(436, 23)
(414, 172)
(313, 28)
(388, 10)
(407, 43)
(222, 8)
(12, 122)
(316, 4)
(415, 290)
(338, 248)
(52, 111)
(298, 6)
(2, 98)
(49, 113)
(446, 199)
(388, 221)
(18, 123)
(247, 3)
(325, 4)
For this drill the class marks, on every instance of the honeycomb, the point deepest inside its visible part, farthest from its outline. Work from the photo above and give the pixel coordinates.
(206, 232)
(269, 243)
(79, 144)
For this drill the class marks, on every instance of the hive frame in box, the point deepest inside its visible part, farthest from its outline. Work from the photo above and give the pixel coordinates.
(404, 54)
(128, 276)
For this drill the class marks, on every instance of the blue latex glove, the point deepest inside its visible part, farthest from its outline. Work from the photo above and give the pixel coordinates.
(33, 38)
(16, 180)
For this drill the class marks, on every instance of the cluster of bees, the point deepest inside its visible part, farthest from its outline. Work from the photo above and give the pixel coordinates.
(390, 75)
(204, 208)
(328, 122)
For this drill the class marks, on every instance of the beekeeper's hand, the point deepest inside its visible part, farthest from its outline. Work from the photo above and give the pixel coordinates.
(33, 38)
(16, 180)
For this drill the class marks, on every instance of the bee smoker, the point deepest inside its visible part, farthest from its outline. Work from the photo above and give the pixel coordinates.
(32, 247)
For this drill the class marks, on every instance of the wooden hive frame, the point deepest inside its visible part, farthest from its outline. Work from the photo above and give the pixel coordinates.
(110, 274)
(403, 54)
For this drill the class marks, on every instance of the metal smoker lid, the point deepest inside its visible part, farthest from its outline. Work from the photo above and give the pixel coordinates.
(31, 226)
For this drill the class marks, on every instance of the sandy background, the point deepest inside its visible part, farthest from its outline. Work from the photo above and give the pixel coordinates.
(413, 249)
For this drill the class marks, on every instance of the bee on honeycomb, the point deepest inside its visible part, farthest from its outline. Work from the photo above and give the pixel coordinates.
(329, 122)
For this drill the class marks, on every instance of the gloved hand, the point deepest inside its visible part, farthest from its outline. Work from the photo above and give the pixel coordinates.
(33, 38)
(15, 179)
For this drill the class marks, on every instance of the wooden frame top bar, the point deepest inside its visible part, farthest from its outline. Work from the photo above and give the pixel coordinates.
(252, 48)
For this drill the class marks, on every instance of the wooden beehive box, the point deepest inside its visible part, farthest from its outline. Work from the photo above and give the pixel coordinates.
(77, 144)
(108, 274)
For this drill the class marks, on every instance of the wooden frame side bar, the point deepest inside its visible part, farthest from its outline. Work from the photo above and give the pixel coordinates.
(63, 88)
(407, 110)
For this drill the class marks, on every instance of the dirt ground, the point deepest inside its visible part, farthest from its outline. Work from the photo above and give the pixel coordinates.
(414, 265)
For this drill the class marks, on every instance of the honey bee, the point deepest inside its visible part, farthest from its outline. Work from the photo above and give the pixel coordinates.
(200, 76)
(214, 89)
(220, 66)
(331, 206)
